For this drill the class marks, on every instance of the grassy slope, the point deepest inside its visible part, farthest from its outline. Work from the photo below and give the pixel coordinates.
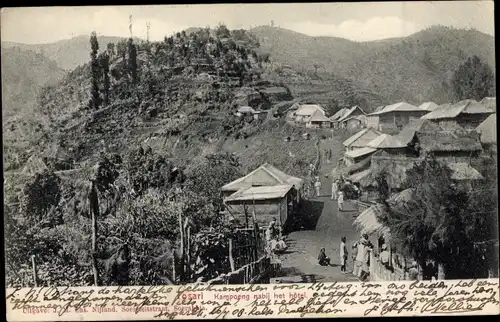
(412, 68)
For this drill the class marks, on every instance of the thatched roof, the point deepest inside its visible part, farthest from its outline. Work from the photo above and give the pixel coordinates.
(449, 141)
(368, 223)
(463, 171)
(344, 171)
(398, 107)
(364, 178)
(488, 130)
(447, 111)
(265, 175)
(395, 170)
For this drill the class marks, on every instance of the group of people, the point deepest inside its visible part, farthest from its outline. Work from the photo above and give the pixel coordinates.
(275, 240)
(324, 260)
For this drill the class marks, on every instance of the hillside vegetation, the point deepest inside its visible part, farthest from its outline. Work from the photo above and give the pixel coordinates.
(24, 73)
(68, 53)
(416, 68)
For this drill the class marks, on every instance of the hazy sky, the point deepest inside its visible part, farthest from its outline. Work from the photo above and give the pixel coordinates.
(355, 21)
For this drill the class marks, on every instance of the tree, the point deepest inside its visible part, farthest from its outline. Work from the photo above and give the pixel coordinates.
(40, 198)
(208, 178)
(222, 32)
(104, 62)
(121, 49)
(94, 98)
(443, 221)
(473, 80)
(132, 60)
(110, 48)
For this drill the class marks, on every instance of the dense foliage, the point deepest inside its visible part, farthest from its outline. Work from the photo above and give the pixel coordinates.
(473, 80)
(448, 222)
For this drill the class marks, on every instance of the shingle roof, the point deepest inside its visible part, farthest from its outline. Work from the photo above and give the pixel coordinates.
(339, 114)
(453, 110)
(265, 175)
(309, 109)
(356, 136)
(488, 129)
(260, 193)
(399, 107)
(359, 152)
(428, 106)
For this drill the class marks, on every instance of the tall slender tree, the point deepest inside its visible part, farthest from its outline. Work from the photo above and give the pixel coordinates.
(104, 62)
(94, 64)
(132, 60)
(473, 80)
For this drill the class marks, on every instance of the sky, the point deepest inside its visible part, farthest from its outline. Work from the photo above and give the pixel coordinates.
(354, 21)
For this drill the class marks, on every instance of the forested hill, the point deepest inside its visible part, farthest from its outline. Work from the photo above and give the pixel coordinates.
(416, 68)
(24, 73)
(183, 89)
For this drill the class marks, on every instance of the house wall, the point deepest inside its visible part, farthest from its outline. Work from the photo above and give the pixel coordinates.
(454, 156)
(471, 121)
(353, 125)
(373, 122)
(395, 121)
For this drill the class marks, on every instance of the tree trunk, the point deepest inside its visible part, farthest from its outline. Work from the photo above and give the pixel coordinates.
(94, 204)
(181, 227)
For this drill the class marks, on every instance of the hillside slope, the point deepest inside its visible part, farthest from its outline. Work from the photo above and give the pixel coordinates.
(24, 73)
(68, 53)
(416, 68)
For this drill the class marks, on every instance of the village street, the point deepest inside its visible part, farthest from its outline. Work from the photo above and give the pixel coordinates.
(320, 225)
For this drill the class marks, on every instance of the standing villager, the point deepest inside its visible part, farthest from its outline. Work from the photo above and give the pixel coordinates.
(335, 189)
(365, 265)
(413, 271)
(317, 185)
(340, 201)
(343, 255)
(384, 256)
(359, 259)
(354, 255)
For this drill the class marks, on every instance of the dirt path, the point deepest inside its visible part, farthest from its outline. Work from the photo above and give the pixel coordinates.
(320, 225)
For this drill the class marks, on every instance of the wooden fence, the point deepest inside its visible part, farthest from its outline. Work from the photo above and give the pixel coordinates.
(250, 273)
(378, 272)
(246, 246)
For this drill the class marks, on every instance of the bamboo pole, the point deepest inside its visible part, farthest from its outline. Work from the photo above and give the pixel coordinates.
(33, 266)
(188, 243)
(231, 260)
(173, 266)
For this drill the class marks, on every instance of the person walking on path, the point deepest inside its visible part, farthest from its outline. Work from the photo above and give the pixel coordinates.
(317, 185)
(343, 255)
(335, 189)
(340, 201)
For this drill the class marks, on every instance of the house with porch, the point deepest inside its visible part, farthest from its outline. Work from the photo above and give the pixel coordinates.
(354, 116)
(262, 179)
(467, 114)
(393, 118)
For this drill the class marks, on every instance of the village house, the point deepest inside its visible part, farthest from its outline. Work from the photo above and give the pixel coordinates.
(488, 133)
(271, 189)
(260, 115)
(339, 114)
(357, 155)
(373, 120)
(319, 120)
(304, 113)
(360, 139)
(467, 113)
(393, 118)
(354, 117)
